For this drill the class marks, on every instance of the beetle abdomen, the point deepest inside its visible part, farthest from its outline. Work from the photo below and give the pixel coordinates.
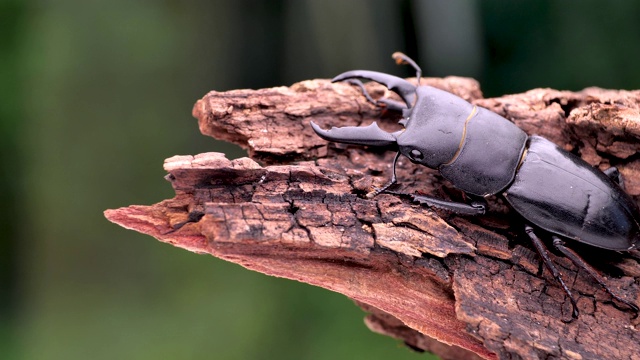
(559, 192)
(488, 154)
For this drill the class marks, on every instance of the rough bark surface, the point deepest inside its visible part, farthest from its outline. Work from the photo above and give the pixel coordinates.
(427, 277)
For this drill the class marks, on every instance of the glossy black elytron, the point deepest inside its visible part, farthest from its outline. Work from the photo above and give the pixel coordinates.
(482, 154)
(558, 192)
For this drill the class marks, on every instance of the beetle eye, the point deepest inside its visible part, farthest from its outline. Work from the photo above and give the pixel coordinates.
(416, 154)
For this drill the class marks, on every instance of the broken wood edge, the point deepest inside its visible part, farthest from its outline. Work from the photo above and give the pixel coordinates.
(359, 269)
(326, 268)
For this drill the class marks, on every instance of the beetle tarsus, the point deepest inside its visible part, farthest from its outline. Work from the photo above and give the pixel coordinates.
(393, 181)
(582, 264)
(544, 254)
(377, 191)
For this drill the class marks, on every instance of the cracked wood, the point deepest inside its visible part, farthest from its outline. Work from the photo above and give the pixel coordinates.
(472, 283)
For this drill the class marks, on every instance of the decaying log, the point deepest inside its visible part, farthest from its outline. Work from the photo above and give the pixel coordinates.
(296, 209)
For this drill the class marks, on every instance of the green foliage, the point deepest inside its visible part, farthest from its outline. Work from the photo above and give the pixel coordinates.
(93, 97)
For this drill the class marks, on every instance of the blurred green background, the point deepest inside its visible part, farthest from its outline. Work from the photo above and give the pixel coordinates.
(94, 95)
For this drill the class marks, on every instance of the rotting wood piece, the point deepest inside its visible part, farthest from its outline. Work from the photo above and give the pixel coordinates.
(470, 282)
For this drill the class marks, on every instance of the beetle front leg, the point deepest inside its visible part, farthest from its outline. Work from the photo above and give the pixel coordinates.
(387, 103)
(477, 207)
(579, 262)
(544, 254)
(392, 182)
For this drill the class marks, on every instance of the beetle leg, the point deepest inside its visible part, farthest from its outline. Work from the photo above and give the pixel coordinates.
(544, 254)
(579, 262)
(402, 87)
(614, 174)
(479, 202)
(387, 103)
(366, 94)
(392, 182)
(391, 104)
(475, 208)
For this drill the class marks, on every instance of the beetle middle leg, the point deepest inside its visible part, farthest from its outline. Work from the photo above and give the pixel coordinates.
(579, 262)
(544, 254)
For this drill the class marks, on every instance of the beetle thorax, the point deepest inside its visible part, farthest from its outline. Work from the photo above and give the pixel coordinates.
(434, 127)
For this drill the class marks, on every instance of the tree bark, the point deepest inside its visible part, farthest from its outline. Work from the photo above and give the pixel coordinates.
(461, 287)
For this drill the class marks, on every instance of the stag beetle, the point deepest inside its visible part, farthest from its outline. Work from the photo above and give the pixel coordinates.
(483, 154)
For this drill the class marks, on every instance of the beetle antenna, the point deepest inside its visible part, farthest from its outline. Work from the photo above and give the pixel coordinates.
(402, 59)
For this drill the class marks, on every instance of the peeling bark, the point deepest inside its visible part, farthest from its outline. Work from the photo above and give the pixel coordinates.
(427, 277)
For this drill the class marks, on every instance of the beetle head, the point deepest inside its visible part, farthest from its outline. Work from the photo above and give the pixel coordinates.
(407, 141)
(412, 147)
(372, 135)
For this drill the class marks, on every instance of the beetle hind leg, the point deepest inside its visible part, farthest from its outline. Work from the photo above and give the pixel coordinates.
(544, 254)
(579, 262)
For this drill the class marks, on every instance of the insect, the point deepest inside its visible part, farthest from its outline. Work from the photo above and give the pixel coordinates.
(483, 154)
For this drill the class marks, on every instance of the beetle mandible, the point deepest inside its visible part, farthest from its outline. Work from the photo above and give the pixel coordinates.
(483, 154)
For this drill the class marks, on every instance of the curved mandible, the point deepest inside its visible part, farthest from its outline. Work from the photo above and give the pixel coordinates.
(370, 135)
(402, 87)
